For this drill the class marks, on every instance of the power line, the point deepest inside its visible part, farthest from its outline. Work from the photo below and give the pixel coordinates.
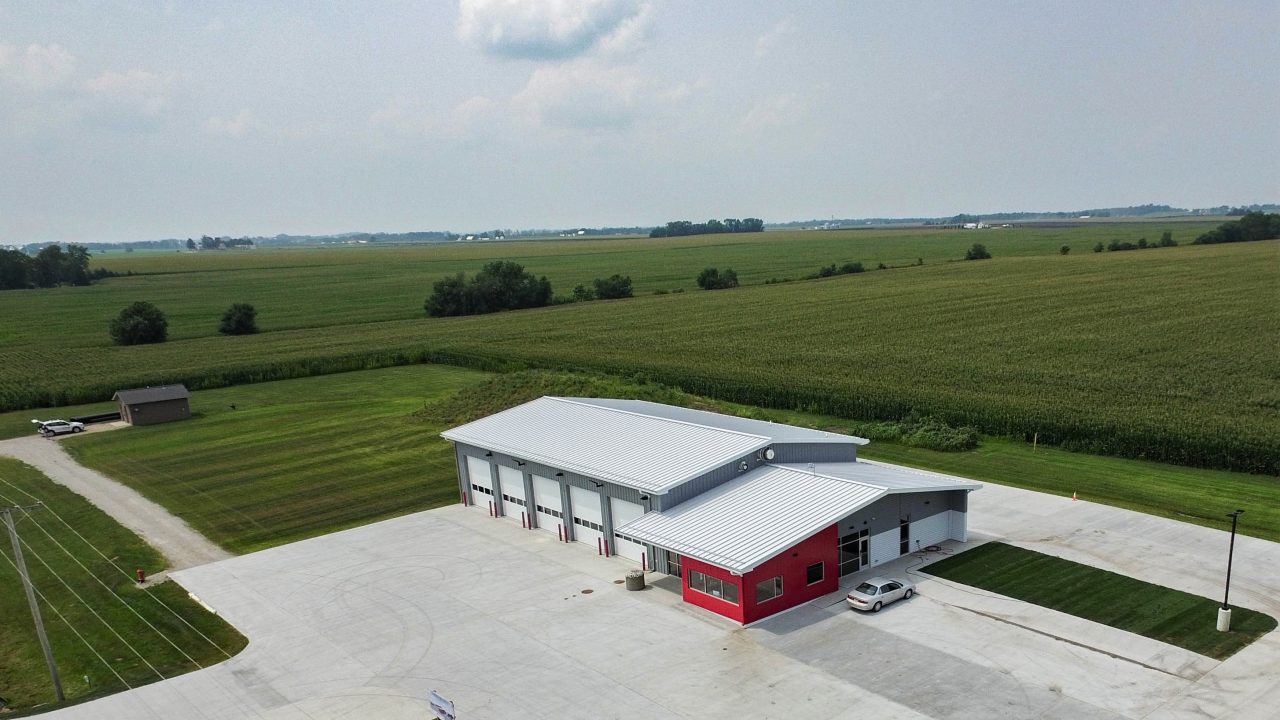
(21, 566)
(115, 594)
(91, 610)
(72, 627)
(111, 562)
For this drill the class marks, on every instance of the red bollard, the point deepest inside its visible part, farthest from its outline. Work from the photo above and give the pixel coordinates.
(644, 562)
(560, 533)
(598, 550)
(142, 576)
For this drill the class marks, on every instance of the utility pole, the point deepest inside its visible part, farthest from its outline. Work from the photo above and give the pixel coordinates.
(31, 597)
(1224, 612)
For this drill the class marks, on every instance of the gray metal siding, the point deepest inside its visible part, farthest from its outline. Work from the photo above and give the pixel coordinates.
(707, 481)
(814, 452)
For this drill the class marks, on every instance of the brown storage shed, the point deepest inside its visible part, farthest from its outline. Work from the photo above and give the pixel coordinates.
(152, 405)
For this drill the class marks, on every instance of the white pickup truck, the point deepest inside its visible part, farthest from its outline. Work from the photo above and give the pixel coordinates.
(49, 428)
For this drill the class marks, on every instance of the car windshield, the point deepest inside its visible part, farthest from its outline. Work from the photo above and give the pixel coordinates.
(867, 589)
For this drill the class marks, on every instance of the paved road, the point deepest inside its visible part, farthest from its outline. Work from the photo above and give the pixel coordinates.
(172, 536)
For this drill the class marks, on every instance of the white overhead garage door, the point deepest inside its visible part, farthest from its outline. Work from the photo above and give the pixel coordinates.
(588, 526)
(481, 483)
(513, 504)
(546, 499)
(623, 513)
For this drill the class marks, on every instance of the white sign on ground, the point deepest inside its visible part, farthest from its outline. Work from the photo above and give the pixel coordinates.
(442, 708)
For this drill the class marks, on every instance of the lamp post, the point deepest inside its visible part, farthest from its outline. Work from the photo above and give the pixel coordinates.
(1224, 612)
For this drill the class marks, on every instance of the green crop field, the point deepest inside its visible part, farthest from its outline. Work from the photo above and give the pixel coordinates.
(1170, 616)
(297, 458)
(1164, 353)
(145, 640)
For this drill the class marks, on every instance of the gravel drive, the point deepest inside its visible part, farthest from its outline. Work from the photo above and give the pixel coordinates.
(172, 536)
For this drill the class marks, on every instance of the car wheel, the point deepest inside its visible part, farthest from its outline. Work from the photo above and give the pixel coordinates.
(76, 430)
(876, 607)
(907, 595)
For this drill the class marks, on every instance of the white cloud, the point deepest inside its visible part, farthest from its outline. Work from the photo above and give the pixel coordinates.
(770, 40)
(38, 67)
(584, 94)
(236, 126)
(416, 119)
(551, 29)
(138, 91)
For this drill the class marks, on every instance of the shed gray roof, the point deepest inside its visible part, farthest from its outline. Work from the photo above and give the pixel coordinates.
(751, 519)
(641, 451)
(776, 431)
(152, 394)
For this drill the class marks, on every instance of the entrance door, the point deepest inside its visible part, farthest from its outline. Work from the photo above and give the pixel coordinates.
(547, 505)
(853, 552)
(481, 483)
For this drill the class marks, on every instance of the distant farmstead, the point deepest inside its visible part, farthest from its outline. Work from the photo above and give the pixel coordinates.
(153, 405)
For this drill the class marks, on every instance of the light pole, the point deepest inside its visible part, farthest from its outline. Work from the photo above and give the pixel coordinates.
(1224, 612)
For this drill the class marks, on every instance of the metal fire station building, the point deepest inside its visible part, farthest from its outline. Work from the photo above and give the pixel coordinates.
(755, 517)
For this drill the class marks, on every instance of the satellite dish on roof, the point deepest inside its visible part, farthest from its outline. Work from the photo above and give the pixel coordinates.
(769, 454)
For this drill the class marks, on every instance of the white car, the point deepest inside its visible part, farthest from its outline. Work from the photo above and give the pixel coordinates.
(878, 592)
(49, 428)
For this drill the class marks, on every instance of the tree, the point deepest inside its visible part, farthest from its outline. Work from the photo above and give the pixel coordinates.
(713, 279)
(139, 324)
(48, 267)
(1064, 249)
(1099, 247)
(977, 252)
(1166, 239)
(75, 265)
(191, 244)
(613, 287)
(582, 293)
(16, 268)
(239, 319)
(500, 285)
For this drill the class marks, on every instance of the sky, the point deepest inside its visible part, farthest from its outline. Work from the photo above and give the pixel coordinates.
(145, 120)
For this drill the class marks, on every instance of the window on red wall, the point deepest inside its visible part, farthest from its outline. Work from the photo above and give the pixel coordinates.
(814, 573)
(768, 589)
(713, 586)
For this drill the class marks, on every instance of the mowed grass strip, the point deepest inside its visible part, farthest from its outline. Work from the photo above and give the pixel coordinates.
(265, 464)
(1160, 613)
(24, 679)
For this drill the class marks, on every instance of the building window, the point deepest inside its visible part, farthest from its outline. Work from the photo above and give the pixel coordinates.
(588, 524)
(481, 488)
(513, 500)
(673, 563)
(904, 536)
(549, 511)
(713, 586)
(768, 589)
(814, 573)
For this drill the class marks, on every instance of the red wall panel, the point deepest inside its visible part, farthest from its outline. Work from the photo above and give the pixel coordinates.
(791, 564)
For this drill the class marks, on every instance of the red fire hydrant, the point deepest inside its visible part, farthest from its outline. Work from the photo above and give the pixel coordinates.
(142, 576)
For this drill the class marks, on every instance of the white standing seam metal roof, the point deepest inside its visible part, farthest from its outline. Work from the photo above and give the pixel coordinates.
(751, 519)
(650, 454)
(779, 432)
(746, 521)
(894, 478)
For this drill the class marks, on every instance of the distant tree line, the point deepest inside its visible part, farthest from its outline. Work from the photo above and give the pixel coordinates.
(1252, 226)
(1166, 240)
(678, 228)
(50, 267)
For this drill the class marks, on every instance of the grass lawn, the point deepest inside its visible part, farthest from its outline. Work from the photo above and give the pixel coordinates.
(264, 464)
(1156, 612)
(24, 680)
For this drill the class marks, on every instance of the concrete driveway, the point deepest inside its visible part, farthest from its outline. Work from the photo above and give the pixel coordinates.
(509, 623)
